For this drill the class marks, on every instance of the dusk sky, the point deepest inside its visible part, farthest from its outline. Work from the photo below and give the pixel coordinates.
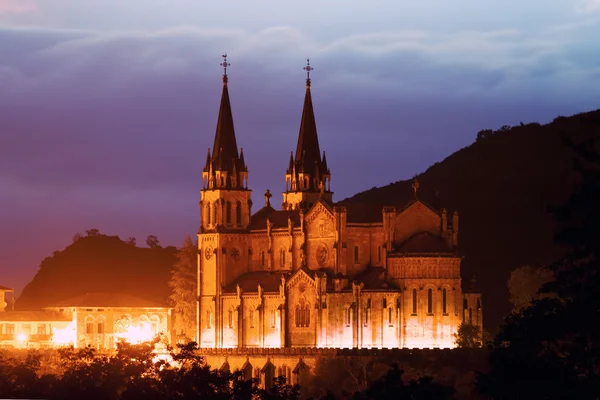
(107, 107)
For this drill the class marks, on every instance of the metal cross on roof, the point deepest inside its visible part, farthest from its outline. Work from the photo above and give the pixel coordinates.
(308, 68)
(225, 64)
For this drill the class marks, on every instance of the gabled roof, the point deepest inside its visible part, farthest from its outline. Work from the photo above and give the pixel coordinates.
(248, 282)
(279, 218)
(424, 243)
(34, 316)
(108, 300)
(6, 289)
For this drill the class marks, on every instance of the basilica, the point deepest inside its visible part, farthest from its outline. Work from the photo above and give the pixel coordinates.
(312, 274)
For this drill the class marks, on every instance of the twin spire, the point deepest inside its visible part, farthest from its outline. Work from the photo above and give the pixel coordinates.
(307, 171)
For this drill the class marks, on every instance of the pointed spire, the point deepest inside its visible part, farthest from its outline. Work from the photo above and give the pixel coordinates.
(207, 165)
(307, 149)
(225, 155)
(291, 164)
(242, 161)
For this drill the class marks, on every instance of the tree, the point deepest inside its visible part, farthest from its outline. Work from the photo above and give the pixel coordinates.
(184, 284)
(524, 285)
(92, 232)
(152, 241)
(468, 336)
(551, 349)
(77, 236)
(131, 241)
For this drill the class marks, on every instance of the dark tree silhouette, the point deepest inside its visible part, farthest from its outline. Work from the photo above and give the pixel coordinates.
(468, 336)
(184, 285)
(551, 350)
(152, 241)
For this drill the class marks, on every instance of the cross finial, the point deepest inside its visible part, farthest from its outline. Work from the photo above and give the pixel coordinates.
(416, 185)
(268, 196)
(225, 64)
(308, 68)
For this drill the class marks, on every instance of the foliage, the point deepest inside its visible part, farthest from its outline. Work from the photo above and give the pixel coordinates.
(524, 285)
(391, 386)
(184, 285)
(551, 349)
(92, 232)
(131, 241)
(468, 336)
(77, 236)
(152, 241)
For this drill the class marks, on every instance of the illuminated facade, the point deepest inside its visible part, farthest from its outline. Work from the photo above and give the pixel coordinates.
(316, 274)
(98, 320)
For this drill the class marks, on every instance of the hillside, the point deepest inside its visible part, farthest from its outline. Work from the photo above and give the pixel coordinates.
(100, 264)
(503, 186)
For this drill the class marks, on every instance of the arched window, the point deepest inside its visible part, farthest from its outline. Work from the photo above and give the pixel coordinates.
(379, 253)
(238, 213)
(348, 316)
(100, 325)
(228, 212)
(478, 304)
(251, 318)
(262, 258)
(444, 302)
(273, 318)
(208, 214)
(230, 318)
(470, 316)
(414, 301)
(282, 257)
(356, 259)
(390, 316)
(465, 304)
(89, 325)
(302, 314)
(367, 312)
(214, 214)
(155, 324)
(429, 301)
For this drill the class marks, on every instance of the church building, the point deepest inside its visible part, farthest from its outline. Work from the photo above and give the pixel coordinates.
(312, 274)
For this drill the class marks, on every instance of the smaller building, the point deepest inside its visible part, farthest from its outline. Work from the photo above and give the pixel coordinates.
(99, 320)
(30, 329)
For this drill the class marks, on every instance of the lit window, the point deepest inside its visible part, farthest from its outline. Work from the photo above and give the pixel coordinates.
(230, 318)
(282, 257)
(208, 319)
(390, 316)
(10, 329)
(41, 329)
(348, 316)
(100, 328)
(208, 213)
(251, 318)
(273, 318)
(89, 328)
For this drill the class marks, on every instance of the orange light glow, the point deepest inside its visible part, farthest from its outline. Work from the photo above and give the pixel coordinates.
(64, 337)
(136, 334)
(21, 338)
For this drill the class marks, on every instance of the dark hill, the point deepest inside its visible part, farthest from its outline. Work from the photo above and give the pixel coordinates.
(100, 264)
(503, 186)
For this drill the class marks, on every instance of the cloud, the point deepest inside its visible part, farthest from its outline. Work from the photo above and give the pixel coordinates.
(588, 6)
(17, 6)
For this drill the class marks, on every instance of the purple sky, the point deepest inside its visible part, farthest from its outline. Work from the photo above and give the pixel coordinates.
(107, 107)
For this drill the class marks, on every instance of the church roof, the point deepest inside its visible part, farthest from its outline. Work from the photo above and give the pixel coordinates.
(373, 278)
(108, 300)
(279, 218)
(424, 242)
(248, 282)
(6, 289)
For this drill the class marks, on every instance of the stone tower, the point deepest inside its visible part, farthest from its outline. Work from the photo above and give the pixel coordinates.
(225, 208)
(307, 178)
